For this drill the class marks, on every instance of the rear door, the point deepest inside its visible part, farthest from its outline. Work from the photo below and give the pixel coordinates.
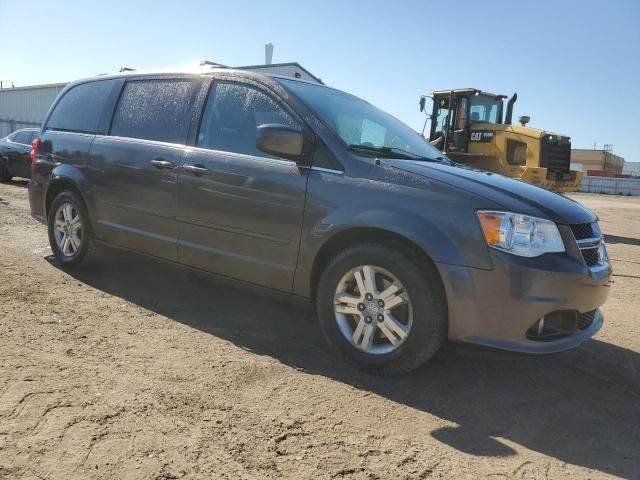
(239, 209)
(18, 154)
(134, 168)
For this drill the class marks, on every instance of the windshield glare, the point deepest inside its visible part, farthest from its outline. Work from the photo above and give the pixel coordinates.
(357, 122)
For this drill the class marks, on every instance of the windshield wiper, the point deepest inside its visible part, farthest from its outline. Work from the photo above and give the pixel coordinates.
(392, 152)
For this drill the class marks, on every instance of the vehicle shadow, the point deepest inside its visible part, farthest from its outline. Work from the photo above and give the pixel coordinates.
(618, 239)
(581, 407)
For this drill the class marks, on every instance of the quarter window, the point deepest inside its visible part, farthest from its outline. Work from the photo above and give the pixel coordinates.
(232, 116)
(82, 108)
(155, 110)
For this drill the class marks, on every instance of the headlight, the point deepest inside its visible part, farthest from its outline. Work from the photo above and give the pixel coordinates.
(520, 234)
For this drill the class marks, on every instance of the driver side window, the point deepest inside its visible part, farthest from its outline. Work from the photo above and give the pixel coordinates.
(232, 115)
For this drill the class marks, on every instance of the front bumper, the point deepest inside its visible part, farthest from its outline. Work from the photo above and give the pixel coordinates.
(495, 308)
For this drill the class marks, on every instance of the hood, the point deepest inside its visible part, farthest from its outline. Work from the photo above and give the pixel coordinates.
(513, 195)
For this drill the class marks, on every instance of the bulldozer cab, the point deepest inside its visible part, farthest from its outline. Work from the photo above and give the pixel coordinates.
(453, 114)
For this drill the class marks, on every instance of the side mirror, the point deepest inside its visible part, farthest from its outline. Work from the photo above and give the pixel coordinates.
(423, 102)
(280, 140)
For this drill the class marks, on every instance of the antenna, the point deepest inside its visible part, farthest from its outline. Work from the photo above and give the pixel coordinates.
(268, 53)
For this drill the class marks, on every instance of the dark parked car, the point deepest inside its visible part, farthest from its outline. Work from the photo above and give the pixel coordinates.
(14, 154)
(308, 190)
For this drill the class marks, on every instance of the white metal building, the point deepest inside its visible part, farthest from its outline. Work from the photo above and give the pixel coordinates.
(27, 106)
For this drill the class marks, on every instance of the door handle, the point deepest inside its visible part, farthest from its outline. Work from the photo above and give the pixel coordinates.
(196, 170)
(160, 164)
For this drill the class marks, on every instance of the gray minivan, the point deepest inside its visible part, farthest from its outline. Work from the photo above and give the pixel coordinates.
(304, 189)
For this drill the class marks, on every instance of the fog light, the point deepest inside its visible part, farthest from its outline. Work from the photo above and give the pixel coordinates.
(540, 326)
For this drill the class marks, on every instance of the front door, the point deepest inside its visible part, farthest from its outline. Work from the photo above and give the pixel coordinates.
(239, 209)
(134, 169)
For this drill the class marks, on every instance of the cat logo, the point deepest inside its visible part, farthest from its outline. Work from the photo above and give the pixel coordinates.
(481, 136)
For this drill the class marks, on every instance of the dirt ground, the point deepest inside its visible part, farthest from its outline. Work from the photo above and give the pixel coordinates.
(139, 369)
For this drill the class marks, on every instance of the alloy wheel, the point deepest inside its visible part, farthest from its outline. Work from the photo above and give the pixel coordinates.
(373, 310)
(67, 229)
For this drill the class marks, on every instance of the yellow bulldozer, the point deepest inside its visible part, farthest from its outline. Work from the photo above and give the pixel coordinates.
(467, 125)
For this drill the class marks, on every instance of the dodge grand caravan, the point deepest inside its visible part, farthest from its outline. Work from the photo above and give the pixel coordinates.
(308, 190)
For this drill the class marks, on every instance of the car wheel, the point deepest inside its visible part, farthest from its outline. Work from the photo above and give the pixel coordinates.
(70, 233)
(382, 309)
(5, 176)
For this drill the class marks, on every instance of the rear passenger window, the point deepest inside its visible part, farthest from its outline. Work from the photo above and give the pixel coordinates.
(155, 110)
(232, 115)
(23, 137)
(82, 108)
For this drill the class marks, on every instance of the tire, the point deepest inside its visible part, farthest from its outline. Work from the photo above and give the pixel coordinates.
(85, 254)
(421, 319)
(5, 176)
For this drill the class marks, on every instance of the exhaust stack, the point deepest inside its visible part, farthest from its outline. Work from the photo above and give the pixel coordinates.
(268, 53)
(510, 103)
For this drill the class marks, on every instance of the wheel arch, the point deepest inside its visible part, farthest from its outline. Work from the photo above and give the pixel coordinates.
(364, 234)
(65, 177)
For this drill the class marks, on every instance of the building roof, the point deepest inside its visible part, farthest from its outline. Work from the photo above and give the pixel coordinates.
(32, 87)
(275, 65)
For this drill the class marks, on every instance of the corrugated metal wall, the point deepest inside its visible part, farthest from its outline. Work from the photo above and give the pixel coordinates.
(25, 106)
(610, 185)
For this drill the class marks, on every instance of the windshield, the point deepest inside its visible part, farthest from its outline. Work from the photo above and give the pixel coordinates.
(359, 123)
(484, 109)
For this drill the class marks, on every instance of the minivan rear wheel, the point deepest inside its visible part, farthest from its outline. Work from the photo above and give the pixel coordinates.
(70, 232)
(382, 309)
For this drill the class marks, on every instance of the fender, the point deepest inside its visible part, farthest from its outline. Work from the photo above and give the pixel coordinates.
(432, 236)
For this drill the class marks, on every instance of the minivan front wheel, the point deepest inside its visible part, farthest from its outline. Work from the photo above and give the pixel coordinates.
(70, 234)
(382, 310)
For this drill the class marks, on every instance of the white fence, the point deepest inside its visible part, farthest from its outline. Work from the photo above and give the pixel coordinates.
(611, 185)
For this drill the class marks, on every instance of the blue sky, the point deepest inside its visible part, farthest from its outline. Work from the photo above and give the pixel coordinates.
(574, 64)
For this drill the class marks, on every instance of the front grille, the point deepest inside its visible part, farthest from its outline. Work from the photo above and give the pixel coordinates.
(588, 236)
(582, 231)
(590, 256)
(586, 319)
(555, 154)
